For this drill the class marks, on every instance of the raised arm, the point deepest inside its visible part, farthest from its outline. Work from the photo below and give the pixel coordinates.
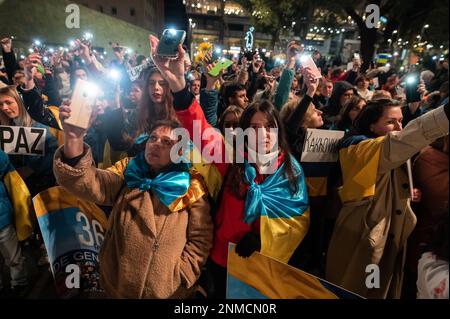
(400, 146)
(75, 170)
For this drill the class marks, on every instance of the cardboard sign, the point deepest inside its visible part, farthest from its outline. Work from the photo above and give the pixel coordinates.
(23, 140)
(135, 72)
(321, 145)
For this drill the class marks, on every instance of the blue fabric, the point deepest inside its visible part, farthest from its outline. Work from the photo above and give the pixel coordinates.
(274, 198)
(168, 185)
(6, 210)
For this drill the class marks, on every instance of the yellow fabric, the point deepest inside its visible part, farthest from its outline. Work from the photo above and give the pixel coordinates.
(210, 174)
(275, 279)
(110, 156)
(120, 166)
(21, 201)
(196, 190)
(359, 165)
(58, 134)
(56, 198)
(197, 187)
(316, 186)
(281, 236)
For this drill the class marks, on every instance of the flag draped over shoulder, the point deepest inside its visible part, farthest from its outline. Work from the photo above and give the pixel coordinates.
(284, 216)
(20, 197)
(359, 158)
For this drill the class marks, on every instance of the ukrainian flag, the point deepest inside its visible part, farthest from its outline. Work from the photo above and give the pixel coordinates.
(19, 196)
(262, 277)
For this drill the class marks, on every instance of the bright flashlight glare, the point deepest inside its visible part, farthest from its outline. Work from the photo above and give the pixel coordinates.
(37, 42)
(91, 90)
(115, 74)
(410, 79)
(172, 32)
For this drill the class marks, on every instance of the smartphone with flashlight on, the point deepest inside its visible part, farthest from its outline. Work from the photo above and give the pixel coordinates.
(306, 61)
(169, 42)
(82, 104)
(411, 88)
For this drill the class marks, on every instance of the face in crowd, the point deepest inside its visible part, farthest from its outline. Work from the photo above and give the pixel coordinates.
(81, 74)
(313, 117)
(135, 94)
(346, 96)
(240, 99)
(326, 88)
(356, 109)
(9, 106)
(158, 88)
(101, 103)
(158, 147)
(362, 84)
(195, 87)
(390, 121)
(266, 135)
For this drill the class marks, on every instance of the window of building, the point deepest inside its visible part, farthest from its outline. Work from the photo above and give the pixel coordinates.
(114, 10)
(132, 12)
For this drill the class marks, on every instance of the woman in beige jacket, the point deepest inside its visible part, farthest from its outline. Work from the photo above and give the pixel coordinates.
(368, 247)
(160, 231)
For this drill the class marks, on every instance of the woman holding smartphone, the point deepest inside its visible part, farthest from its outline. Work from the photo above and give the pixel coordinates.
(254, 197)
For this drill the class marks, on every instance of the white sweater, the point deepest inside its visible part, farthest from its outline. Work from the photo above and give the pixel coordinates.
(432, 277)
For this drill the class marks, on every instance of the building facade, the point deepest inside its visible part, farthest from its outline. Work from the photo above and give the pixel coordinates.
(223, 23)
(147, 14)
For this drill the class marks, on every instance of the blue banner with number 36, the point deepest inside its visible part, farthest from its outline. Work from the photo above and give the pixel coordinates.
(73, 232)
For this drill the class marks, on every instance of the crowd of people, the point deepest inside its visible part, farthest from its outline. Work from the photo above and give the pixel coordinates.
(170, 224)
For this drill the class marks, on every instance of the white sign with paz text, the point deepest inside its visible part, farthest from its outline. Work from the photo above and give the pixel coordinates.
(23, 140)
(321, 146)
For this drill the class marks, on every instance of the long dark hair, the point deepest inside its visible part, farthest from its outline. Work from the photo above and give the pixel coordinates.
(370, 115)
(344, 122)
(236, 174)
(148, 112)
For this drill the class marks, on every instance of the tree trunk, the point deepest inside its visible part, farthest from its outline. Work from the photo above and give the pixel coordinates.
(368, 41)
(368, 37)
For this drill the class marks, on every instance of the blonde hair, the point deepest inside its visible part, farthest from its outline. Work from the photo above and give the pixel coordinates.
(24, 119)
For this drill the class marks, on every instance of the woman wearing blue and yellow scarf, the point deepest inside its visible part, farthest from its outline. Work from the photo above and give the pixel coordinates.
(263, 204)
(160, 230)
(376, 218)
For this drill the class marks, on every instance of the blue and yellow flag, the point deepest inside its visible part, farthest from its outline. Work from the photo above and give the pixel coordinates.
(262, 277)
(284, 215)
(73, 231)
(359, 160)
(19, 196)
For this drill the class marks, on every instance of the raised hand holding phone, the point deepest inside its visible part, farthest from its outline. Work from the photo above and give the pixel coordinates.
(306, 61)
(172, 70)
(82, 104)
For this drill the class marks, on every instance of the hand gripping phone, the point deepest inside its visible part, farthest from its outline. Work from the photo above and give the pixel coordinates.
(82, 104)
(412, 83)
(307, 62)
(168, 44)
(223, 64)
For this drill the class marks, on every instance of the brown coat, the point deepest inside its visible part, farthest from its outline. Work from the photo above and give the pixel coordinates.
(375, 229)
(148, 251)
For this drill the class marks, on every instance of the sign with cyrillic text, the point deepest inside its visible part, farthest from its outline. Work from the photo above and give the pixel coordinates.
(321, 145)
(23, 140)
